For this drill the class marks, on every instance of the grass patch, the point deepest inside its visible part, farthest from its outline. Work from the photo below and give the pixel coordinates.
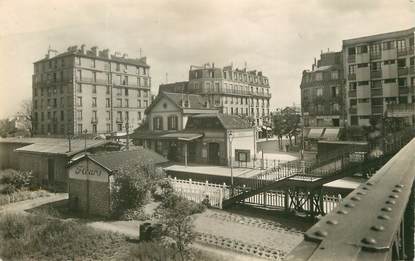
(22, 195)
(40, 237)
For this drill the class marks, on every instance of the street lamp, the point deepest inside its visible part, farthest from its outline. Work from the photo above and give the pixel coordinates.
(128, 140)
(230, 149)
(85, 132)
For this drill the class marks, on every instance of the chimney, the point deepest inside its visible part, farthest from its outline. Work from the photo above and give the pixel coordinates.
(125, 55)
(83, 49)
(105, 53)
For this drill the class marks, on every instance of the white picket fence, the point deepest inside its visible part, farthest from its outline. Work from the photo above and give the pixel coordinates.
(198, 191)
(276, 199)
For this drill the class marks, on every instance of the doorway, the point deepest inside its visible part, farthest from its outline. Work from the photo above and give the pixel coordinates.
(213, 153)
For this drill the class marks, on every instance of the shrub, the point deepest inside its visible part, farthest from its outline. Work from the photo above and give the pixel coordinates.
(15, 180)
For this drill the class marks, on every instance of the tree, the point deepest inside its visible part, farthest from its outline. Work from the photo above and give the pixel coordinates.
(7, 128)
(286, 122)
(278, 127)
(175, 214)
(27, 113)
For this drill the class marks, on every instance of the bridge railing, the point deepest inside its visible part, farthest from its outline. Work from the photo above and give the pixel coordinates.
(374, 222)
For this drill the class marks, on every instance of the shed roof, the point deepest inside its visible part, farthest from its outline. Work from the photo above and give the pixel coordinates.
(57, 146)
(116, 159)
(227, 121)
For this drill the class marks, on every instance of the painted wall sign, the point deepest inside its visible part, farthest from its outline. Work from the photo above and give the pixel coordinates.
(90, 171)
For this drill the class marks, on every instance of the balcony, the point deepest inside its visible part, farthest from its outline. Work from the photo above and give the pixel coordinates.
(377, 109)
(405, 51)
(353, 110)
(376, 74)
(351, 58)
(352, 94)
(376, 56)
(351, 77)
(403, 90)
(400, 110)
(118, 120)
(94, 120)
(403, 71)
(412, 69)
(376, 92)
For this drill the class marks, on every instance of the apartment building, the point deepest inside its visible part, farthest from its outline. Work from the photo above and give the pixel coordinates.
(322, 100)
(234, 91)
(380, 74)
(91, 90)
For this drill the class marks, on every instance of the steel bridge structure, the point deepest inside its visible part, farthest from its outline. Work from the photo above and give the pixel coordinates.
(374, 222)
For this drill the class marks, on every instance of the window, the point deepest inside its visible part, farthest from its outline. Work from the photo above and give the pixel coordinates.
(80, 128)
(119, 102)
(352, 69)
(361, 49)
(334, 75)
(139, 93)
(107, 102)
(108, 128)
(388, 45)
(93, 63)
(139, 115)
(387, 62)
(319, 92)
(401, 45)
(94, 101)
(79, 87)
(319, 77)
(393, 80)
(79, 115)
(79, 101)
(119, 127)
(117, 67)
(375, 49)
(107, 91)
(402, 62)
(125, 80)
(363, 100)
(119, 115)
(351, 51)
(402, 82)
(94, 116)
(157, 123)
(145, 103)
(108, 115)
(126, 92)
(362, 65)
(172, 122)
(376, 84)
(363, 83)
(126, 103)
(145, 94)
(94, 128)
(376, 66)
(127, 116)
(139, 103)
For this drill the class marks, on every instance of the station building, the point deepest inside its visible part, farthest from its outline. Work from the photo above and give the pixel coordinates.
(91, 177)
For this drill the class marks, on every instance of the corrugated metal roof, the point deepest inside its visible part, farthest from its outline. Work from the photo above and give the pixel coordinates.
(59, 146)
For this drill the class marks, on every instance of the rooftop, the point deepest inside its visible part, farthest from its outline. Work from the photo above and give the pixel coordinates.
(227, 121)
(379, 37)
(117, 159)
(57, 146)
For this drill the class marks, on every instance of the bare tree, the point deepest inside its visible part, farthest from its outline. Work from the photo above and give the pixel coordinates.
(27, 112)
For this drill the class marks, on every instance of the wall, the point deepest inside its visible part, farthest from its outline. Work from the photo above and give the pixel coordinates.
(90, 192)
(243, 139)
(8, 157)
(160, 111)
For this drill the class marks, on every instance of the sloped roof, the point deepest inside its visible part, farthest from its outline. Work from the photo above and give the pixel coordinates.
(117, 159)
(190, 101)
(227, 121)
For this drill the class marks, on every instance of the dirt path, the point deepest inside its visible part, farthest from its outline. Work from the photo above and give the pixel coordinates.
(21, 206)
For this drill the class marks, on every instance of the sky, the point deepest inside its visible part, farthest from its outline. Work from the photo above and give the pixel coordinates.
(279, 37)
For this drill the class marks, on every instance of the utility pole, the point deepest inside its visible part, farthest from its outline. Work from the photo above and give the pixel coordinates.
(230, 160)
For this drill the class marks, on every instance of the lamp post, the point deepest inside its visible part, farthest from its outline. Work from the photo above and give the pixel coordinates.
(230, 160)
(85, 132)
(128, 138)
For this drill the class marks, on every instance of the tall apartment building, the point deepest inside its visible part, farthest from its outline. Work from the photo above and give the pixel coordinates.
(378, 79)
(380, 73)
(89, 90)
(233, 91)
(322, 99)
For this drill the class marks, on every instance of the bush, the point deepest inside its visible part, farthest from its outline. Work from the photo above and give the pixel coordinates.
(135, 214)
(132, 187)
(39, 237)
(22, 195)
(15, 180)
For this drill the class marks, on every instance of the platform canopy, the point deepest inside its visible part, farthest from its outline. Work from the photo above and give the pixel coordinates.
(181, 136)
(331, 133)
(315, 133)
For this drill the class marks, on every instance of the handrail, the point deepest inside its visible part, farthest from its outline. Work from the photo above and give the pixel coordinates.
(374, 222)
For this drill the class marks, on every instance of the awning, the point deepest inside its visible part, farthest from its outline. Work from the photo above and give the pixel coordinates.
(315, 133)
(331, 134)
(181, 136)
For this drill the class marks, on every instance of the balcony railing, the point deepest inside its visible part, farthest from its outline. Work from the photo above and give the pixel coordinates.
(406, 51)
(353, 110)
(403, 71)
(351, 77)
(351, 58)
(376, 74)
(376, 92)
(94, 120)
(375, 56)
(352, 94)
(401, 108)
(403, 90)
(377, 109)
(412, 69)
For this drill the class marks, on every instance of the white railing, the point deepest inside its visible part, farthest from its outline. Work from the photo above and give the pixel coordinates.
(198, 191)
(276, 199)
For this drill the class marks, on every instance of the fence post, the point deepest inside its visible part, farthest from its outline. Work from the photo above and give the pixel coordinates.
(190, 181)
(220, 198)
(265, 198)
(286, 198)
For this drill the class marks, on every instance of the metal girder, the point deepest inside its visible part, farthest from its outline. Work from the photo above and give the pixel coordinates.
(374, 222)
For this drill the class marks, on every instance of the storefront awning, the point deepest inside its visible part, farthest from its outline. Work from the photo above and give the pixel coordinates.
(315, 133)
(331, 134)
(181, 136)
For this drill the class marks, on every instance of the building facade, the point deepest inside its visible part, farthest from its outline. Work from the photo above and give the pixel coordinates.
(89, 90)
(371, 77)
(380, 74)
(322, 92)
(231, 90)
